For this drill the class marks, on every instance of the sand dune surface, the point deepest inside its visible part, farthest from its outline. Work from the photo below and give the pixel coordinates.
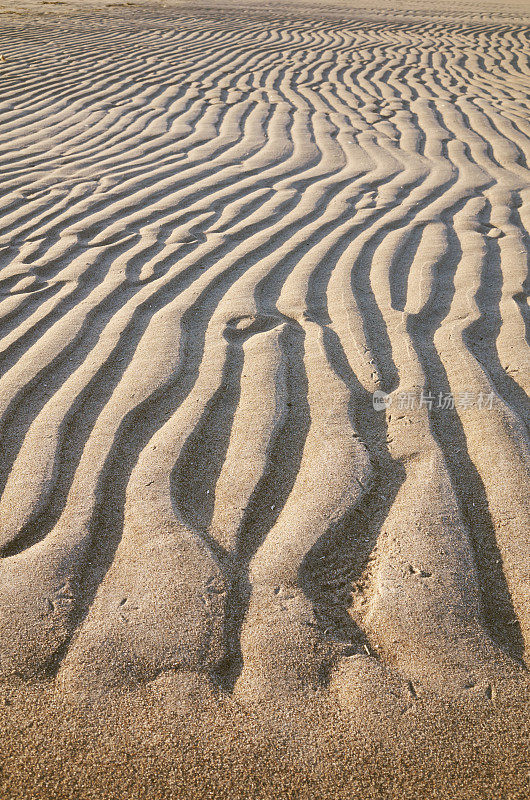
(264, 374)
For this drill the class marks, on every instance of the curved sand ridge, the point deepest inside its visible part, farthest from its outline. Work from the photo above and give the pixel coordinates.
(220, 235)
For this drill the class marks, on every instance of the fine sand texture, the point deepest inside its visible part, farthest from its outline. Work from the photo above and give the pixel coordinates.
(226, 572)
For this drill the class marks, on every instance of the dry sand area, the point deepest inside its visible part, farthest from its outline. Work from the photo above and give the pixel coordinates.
(224, 572)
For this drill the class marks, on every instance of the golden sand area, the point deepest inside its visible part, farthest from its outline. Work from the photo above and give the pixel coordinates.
(264, 407)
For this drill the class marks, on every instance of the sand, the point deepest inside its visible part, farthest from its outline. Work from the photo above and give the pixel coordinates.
(228, 572)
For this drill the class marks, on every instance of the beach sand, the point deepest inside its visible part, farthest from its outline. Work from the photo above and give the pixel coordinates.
(264, 400)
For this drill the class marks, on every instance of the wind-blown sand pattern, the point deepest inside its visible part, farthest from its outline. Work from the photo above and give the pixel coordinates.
(223, 229)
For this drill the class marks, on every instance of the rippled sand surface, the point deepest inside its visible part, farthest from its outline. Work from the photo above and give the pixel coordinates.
(226, 569)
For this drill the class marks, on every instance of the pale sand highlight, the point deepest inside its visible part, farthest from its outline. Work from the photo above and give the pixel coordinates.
(224, 574)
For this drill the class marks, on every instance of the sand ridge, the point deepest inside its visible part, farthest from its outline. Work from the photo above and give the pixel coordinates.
(224, 229)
